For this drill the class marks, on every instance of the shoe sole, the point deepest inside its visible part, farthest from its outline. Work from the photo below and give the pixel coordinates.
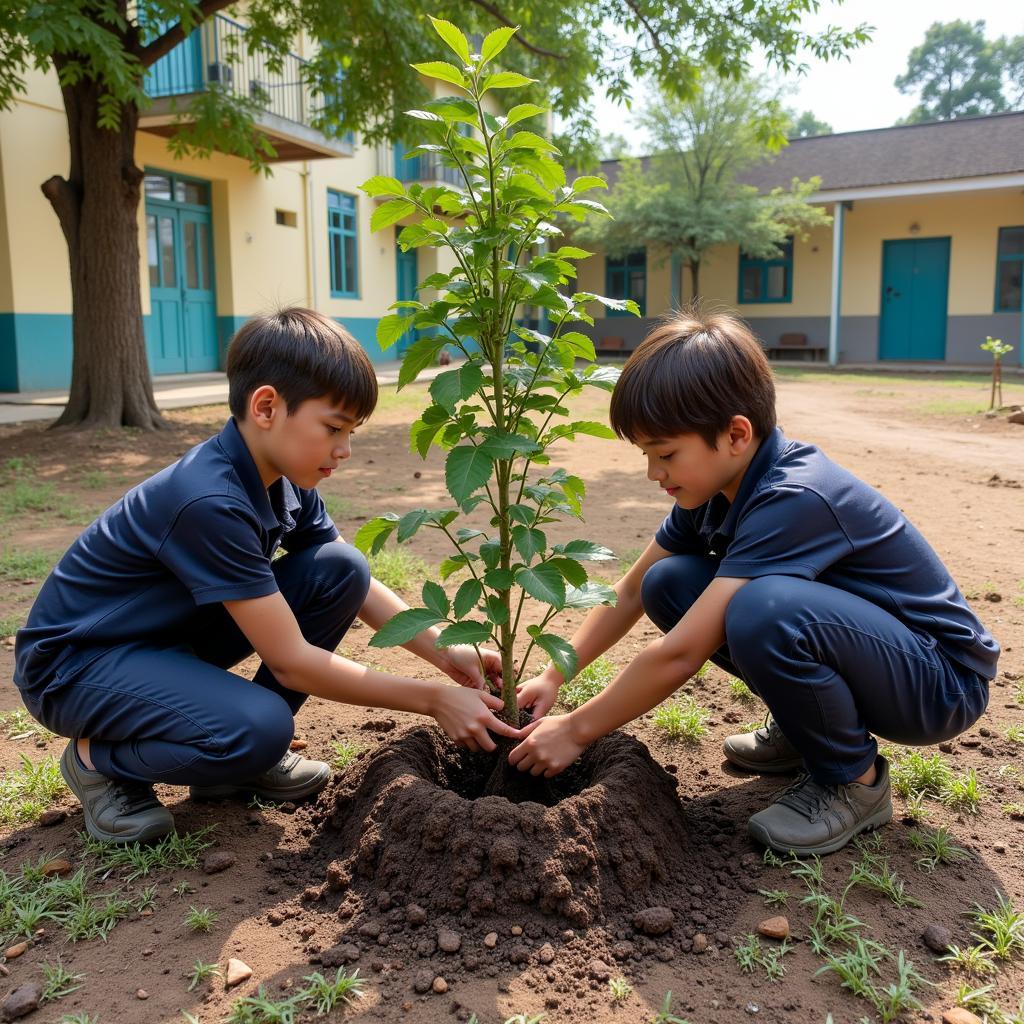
(881, 817)
(277, 795)
(762, 767)
(157, 830)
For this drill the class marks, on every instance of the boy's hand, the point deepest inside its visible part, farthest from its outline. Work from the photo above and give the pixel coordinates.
(463, 665)
(549, 748)
(467, 715)
(539, 694)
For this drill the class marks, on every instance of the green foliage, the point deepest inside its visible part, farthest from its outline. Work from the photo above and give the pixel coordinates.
(956, 72)
(202, 972)
(59, 981)
(1000, 931)
(665, 1014)
(21, 565)
(177, 850)
(806, 124)
(688, 197)
(739, 690)
(495, 415)
(344, 754)
(26, 791)
(20, 725)
(620, 989)
(981, 1003)
(398, 569)
(936, 847)
(682, 718)
(750, 955)
(589, 682)
(200, 920)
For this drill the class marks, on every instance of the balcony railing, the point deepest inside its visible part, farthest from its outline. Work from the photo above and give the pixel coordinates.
(425, 168)
(216, 53)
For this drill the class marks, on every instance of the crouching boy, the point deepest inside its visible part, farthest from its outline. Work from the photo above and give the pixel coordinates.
(127, 646)
(788, 572)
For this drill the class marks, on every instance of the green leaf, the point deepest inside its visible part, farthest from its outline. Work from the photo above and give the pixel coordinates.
(571, 252)
(390, 328)
(404, 626)
(502, 445)
(530, 140)
(388, 213)
(529, 543)
(544, 583)
(494, 43)
(468, 632)
(419, 356)
(499, 579)
(590, 595)
(453, 564)
(380, 185)
(442, 71)
(453, 386)
(424, 115)
(421, 434)
(466, 597)
(465, 470)
(372, 536)
(521, 111)
(490, 552)
(560, 651)
(586, 182)
(585, 551)
(505, 80)
(436, 599)
(452, 36)
(411, 522)
(574, 573)
(582, 427)
(497, 612)
(580, 344)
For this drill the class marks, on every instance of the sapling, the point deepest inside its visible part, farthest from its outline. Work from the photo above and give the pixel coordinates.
(998, 348)
(496, 415)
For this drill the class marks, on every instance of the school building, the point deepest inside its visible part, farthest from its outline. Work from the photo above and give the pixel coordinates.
(923, 259)
(217, 242)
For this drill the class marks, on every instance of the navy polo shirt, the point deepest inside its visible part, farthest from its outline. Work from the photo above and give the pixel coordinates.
(797, 513)
(202, 530)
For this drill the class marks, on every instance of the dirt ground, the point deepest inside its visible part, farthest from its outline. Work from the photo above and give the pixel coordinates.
(921, 441)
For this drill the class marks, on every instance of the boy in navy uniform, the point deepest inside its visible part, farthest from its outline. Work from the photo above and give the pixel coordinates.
(127, 646)
(787, 571)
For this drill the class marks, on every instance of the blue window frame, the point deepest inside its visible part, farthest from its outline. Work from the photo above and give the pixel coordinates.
(767, 280)
(343, 243)
(1009, 269)
(625, 277)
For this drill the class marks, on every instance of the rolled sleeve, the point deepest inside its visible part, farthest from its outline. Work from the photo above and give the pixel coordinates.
(213, 547)
(785, 531)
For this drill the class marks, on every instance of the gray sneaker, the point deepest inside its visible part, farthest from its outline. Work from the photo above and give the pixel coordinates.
(809, 818)
(292, 778)
(115, 811)
(765, 750)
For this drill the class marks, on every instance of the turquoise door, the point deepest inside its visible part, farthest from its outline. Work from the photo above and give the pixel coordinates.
(406, 266)
(181, 331)
(915, 285)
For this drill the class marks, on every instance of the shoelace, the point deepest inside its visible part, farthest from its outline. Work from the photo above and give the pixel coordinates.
(810, 798)
(132, 797)
(286, 764)
(770, 731)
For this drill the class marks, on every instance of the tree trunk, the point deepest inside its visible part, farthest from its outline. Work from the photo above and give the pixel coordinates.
(97, 206)
(695, 279)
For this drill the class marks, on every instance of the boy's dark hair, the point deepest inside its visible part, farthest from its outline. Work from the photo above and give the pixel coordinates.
(302, 354)
(691, 375)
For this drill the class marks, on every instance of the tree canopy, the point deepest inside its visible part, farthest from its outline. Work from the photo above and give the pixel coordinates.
(957, 72)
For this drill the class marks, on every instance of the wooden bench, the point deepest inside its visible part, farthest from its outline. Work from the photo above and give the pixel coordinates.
(607, 346)
(789, 343)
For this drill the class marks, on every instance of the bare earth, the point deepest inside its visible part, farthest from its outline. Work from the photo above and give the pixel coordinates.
(958, 475)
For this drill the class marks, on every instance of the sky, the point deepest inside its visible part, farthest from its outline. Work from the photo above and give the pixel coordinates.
(859, 93)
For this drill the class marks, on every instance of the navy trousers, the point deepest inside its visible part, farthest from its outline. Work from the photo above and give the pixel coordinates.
(832, 667)
(173, 713)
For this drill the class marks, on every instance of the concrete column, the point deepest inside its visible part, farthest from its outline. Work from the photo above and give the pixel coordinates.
(837, 283)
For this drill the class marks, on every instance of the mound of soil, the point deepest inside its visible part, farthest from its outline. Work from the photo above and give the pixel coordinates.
(411, 821)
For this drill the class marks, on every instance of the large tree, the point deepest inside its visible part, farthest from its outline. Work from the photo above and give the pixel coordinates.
(101, 49)
(1010, 55)
(688, 197)
(956, 72)
(805, 125)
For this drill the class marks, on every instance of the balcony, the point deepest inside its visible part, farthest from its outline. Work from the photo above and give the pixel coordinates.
(216, 53)
(426, 169)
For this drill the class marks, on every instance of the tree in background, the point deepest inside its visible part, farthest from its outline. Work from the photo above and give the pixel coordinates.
(1010, 56)
(956, 72)
(360, 74)
(687, 197)
(806, 124)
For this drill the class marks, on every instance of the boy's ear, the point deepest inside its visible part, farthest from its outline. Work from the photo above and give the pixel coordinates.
(741, 434)
(264, 405)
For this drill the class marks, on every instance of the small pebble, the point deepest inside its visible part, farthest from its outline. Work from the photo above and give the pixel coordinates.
(141, 994)
(491, 940)
(959, 1015)
(516, 930)
(448, 941)
(23, 1000)
(15, 951)
(937, 938)
(237, 972)
(439, 985)
(298, 745)
(700, 942)
(217, 862)
(774, 928)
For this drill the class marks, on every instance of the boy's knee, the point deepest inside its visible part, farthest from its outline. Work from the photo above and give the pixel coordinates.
(264, 731)
(671, 585)
(754, 610)
(344, 566)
